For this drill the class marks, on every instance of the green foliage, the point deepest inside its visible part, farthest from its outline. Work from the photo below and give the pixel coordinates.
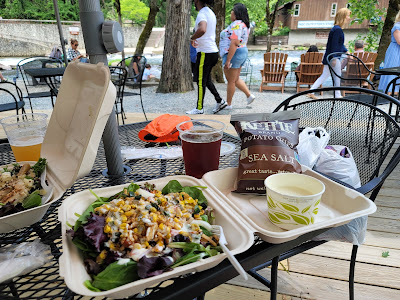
(39, 9)
(255, 8)
(134, 10)
(368, 10)
(281, 31)
(385, 254)
(261, 29)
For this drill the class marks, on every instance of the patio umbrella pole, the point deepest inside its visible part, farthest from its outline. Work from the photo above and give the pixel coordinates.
(92, 19)
(57, 13)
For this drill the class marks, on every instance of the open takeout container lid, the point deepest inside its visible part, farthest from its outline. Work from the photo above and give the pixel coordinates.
(238, 235)
(84, 102)
(339, 205)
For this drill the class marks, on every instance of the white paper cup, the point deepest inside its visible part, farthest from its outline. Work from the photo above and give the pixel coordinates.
(293, 199)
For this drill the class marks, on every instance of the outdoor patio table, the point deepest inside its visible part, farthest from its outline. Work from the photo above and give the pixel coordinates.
(48, 74)
(45, 282)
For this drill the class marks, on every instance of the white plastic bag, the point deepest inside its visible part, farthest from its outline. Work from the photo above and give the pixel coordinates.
(23, 258)
(353, 232)
(338, 162)
(311, 143)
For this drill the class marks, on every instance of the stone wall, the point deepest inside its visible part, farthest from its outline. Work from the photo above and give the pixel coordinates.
(34, 38)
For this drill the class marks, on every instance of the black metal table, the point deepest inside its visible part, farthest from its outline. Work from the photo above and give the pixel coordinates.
(45, 282)
(48, 74)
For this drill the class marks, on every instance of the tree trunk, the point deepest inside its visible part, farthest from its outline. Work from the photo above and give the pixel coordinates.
(393, 8)
(176, 74)
(148, 28)
(270, 19)
(219, 10)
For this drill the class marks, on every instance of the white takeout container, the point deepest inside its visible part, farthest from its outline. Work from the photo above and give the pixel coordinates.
(293, 199)
(84, 103)
(339, 205)
(239, 215)
(238, 235)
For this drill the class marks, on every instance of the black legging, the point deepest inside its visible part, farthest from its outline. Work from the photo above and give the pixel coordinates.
(204, 64)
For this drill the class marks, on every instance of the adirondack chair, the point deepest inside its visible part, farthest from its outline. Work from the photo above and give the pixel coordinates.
(355, 70)
(310, 69)
(274, 71)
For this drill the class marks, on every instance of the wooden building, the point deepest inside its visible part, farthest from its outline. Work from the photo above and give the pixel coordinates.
(311, 20)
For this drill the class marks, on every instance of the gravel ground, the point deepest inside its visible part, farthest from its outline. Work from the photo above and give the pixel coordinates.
(179, 103)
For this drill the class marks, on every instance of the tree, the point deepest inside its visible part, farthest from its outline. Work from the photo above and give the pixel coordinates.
(148, 28)
(270, 14)
(176, 71)
(219, 10)
(384, 42)
(368, 10)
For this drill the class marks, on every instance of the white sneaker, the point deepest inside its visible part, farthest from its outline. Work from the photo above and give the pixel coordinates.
(195, 111)
(250, 99)
(228, 107)
(219, 106)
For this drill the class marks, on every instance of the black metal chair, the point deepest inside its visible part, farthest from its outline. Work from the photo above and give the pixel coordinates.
(134, 79)
(391, 88)
(118, 78)
(358, 73)
(347, 119)
(11, 98)
(29, 82)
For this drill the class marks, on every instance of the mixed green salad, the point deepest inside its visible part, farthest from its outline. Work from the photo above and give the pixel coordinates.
(142, 232)
(21, 187)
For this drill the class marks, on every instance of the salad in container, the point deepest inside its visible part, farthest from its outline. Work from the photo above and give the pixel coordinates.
(142, 232)
(23, 186)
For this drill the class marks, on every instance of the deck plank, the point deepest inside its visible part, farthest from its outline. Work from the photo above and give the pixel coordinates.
(382, 239)
(339, 269)
(384, 225)
(319, 288)
(387, 213)
(365, 254)
(228, 291)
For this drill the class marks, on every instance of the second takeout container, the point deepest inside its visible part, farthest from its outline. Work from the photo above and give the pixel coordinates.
(84, 103)
(238, 235)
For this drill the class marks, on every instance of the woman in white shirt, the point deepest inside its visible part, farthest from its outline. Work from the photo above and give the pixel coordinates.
(233, 50)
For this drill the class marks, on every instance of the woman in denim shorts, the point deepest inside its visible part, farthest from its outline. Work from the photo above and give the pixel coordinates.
(233, 50)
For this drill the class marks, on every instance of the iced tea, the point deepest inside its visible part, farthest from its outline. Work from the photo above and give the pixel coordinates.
(201, 145)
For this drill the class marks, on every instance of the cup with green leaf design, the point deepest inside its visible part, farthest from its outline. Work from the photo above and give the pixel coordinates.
(293, 199)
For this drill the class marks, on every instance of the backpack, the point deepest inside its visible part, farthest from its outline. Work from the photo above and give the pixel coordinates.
(55, 53)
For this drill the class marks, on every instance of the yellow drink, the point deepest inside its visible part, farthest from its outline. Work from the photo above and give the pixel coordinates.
(27, 148)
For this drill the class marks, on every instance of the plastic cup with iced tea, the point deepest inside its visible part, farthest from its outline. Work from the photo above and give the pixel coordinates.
(201, 145)
(25, 133)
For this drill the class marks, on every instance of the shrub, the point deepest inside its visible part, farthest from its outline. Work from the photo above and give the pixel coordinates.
(261, 29)
(281, 31)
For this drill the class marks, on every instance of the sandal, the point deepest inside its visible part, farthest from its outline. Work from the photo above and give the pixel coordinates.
(312, 96)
